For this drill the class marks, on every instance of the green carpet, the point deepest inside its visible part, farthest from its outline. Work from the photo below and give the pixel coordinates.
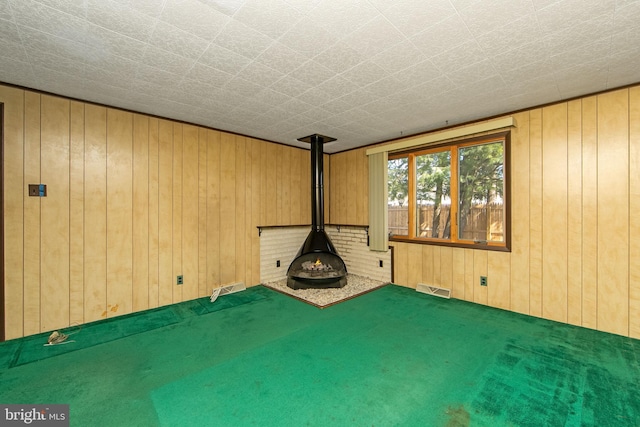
(393, 357)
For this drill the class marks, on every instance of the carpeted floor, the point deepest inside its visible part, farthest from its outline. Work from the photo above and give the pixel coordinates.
(391, 357)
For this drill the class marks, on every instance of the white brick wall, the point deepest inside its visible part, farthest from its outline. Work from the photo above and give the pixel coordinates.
(283, 243)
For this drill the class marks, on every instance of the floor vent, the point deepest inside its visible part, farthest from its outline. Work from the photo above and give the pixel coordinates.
(228, 289)
(434, 290)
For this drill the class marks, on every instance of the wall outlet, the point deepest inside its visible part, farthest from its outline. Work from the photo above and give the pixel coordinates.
(179, 280)
(483, 280)
(278, 263)
(380, 263)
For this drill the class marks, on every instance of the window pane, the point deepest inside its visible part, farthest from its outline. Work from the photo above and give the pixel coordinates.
(398, 211)
(481, 192)
(433, 195)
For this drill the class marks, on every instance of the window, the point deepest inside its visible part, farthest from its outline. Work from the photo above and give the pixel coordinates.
(451, 194)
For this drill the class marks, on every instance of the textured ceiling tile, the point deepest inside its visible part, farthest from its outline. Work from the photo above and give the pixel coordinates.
(532, 53)
(272, 97)
(490, 15)
(554, 17)
(341, 17)
(419, 73)
(399, 57)
(304, 6)
(260, 74)
(167, 61)
(583, 54)
(376, 36)
(17, 72)
(12, 51)
(510, 36)
(76, 8)
(478, 71)
(281, 58)
(173, 39)
(339, 57)
(156, 76)
(194, 17)
(412, 17)
(272, 18)
(105, 43)
(242, 40)
(463, 56)
(223, 59)
(242, 87)
(364, 74)
(526, 72)
(35, 15)
(121, 19)
(227, 7)
(312, 72)
(307, 38)
(290, 86)
(442, 36)
(336, 86)
(316, 96)
(151, 8)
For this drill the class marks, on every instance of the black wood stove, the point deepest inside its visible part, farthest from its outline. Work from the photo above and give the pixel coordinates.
(317, 264)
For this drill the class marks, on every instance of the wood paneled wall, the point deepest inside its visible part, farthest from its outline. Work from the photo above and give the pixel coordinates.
(132, 202)
(575, 224)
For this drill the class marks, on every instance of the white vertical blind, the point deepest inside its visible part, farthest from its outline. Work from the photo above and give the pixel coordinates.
(378, 195)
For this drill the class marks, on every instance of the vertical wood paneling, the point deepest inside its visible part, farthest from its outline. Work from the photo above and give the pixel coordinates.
(255, 154)
(76, 214)
(140, 212)
(165, 213)
(305, 188)
(271, 181)
(239, 261)
(415, 265)
(14, 205)
(190, 211)
(535, 213)
(574, 213)
(426, 268)
(554, 212)
(520, 291)
(295, 203)
(54, 232)
(227, 209)
(32, 215)
(119, 212)
(613, 212)
(95, 209)
(634, 213)
(480, 268)
(351, 188)
(213, 209)
(177, 207)
(499, 280)
(203, 288)
(253, 213)
(457, 287)
(589, 212)
(362, 185)
(446, 267)
(154, 209)
(401, 263)
(470, 279)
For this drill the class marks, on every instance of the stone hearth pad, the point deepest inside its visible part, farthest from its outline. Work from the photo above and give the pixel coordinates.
(322, 298)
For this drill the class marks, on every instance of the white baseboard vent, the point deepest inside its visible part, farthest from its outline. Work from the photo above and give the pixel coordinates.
(227, 289)
(434, 290)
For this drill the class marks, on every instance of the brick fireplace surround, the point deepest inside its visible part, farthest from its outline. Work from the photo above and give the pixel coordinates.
(282, 243)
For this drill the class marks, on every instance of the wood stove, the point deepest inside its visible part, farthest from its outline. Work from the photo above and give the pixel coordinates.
(317, 264)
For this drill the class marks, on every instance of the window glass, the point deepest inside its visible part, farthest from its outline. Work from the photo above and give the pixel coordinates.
(433, 197)
(398, 185)
(481, 192)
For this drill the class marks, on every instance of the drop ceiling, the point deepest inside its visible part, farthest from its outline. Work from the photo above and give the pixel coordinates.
(360, 71)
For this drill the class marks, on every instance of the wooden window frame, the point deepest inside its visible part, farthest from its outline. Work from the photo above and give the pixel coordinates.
(453, 146)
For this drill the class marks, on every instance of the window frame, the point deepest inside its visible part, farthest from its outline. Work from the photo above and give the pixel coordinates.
(454, 146)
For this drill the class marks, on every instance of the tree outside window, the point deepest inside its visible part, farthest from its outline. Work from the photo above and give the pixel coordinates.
(453, 194)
